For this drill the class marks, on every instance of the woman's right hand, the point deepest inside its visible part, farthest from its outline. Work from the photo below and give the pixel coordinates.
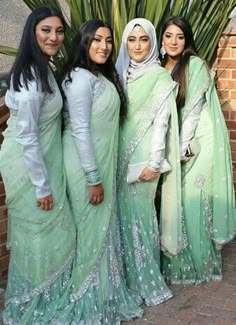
(45, 203)
(96, 194)
(148, 175)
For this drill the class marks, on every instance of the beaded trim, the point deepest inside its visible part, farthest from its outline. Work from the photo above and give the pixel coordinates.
(44, 286)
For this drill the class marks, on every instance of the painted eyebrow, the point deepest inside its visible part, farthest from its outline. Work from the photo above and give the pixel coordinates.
(49, 26)
(179, 34)
(143, 36)
(97, 35)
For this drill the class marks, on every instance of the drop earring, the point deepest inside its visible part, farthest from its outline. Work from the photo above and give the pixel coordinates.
(163, 52)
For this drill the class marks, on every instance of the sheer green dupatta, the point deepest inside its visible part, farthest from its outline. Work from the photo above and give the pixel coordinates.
(221, 212)
(172, 230)
(160, 89)
(95, 224)
(223, 200)
(42, 242)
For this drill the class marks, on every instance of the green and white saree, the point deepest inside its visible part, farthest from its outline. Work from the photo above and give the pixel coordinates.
(97, 293)
(207, 182)
(150, 133)
(42, 243)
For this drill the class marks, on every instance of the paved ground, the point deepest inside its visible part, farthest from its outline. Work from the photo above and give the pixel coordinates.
(213, 303)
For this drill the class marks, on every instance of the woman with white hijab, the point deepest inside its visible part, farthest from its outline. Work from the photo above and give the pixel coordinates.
(148, 146)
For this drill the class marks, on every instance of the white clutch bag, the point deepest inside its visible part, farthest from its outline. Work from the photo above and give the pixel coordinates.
(135, 170)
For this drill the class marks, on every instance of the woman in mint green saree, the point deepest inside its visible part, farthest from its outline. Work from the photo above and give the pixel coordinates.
(207, 180)
(93, 99)
(41, 231)
(148, 138)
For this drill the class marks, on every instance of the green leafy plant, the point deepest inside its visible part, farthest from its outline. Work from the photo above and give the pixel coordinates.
(207, 17)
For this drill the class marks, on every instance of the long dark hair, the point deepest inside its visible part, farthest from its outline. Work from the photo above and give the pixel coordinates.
(179, 72)
(79, 57)
(30, 64)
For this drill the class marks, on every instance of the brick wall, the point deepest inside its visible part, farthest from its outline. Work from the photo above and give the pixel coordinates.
(226, 83)
(4, 254)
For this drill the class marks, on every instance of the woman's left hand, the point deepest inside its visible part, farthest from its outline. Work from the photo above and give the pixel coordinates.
(148, 175)
(45, 203)
(185, 160)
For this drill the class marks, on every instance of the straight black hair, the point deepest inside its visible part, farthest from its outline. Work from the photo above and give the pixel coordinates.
(179, 72)
(30, 63)
(79, 57)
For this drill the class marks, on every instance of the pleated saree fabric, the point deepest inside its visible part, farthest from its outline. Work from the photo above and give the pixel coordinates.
(150, 98)
(207, 185)
(96, 294)
(150, 134)
(42, 243)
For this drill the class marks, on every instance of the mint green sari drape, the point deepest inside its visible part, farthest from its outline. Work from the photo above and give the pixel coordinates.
(207, 186)
(136, 209)
(97, 294)
(42, 242)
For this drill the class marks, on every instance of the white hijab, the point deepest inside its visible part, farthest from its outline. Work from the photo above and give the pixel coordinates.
(136, 69)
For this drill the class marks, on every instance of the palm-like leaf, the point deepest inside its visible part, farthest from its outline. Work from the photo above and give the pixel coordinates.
(208, 24)
(203, 15)
(10, 51)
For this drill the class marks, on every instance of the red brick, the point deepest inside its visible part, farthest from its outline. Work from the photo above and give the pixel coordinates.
(226, 115)
(3, 226)
(3, 238)
(4, 261)
(233, 115)
(223, 93)
(223, 41)
(3, 250)
(3, 212)
(2, 189)
(231, 125)
(233, 135)
(234, 176)
(2, 199)
(224, 73)
(233, 94)
(227, 41)
(233, 74)
(226, 84)
(3, 120)
(233, 146)
(3, 110)
(224, 52)
(226, 63)
(234, 156)
(4, 274)
(227, 106)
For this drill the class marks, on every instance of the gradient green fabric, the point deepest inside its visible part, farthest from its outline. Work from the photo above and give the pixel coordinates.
(207, 186)
(97, 294)
(136, 209)
(42, 242)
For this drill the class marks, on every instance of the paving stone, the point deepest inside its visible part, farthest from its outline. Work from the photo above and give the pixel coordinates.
(212, 303)
(206, 320)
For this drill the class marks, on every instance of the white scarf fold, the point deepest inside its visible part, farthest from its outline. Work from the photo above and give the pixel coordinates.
(130, 68)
